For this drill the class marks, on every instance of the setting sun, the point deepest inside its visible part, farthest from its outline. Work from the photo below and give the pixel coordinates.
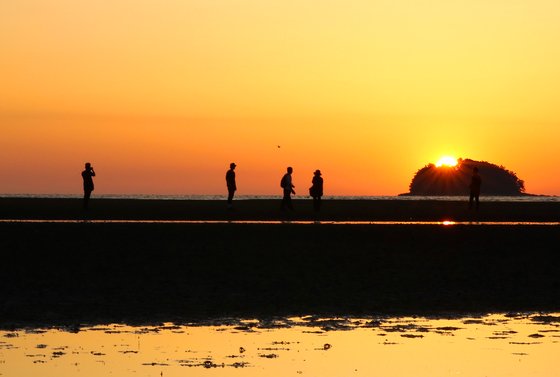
(165, 95)
(447, 161)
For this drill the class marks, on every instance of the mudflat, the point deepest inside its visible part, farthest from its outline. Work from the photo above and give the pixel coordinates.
(261, 209)
(87, 273)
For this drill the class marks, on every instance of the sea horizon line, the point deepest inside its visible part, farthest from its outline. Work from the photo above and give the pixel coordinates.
(209, 197)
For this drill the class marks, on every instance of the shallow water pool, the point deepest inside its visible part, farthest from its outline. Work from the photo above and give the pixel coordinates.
(490, 345)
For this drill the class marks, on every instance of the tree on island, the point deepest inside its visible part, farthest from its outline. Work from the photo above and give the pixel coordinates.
(432, 180)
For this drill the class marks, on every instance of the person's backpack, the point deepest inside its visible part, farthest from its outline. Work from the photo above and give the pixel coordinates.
(283, 182)
(312, 191)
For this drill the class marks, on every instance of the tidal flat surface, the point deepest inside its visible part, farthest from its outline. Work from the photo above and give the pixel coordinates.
(515, 209)
(488, 345)
(64, 274)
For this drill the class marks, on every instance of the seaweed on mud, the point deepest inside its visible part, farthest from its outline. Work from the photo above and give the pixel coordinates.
(474, 322)
(155, 364)
(57, 354)
(276, 323)
(269, 356)
(273, 349)
(504, 333)
(411, 336)
(547, 319)
(448, 328)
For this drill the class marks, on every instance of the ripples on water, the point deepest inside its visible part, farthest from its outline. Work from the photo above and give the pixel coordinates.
(496, 345)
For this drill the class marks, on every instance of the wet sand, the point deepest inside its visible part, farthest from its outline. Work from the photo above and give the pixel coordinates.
(333, 210)
(76, 273)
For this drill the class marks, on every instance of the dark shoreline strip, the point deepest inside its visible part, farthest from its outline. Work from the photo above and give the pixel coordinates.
(332, 210)
(280, 222)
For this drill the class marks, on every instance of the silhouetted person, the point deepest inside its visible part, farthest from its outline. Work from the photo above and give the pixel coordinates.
(316, 189)
(87, 176)
(288, 188)
(230, 182)
(476, 182)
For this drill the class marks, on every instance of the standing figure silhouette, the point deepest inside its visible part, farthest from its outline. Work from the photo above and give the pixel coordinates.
(230, 182)
(87, 176)
(476, 182)
(288, 190)
(316, 189)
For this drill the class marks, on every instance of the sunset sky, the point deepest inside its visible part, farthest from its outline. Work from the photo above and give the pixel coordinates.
(160, 96)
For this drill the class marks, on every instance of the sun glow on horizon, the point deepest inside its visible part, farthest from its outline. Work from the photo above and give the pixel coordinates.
(170, 93)
(447, 161)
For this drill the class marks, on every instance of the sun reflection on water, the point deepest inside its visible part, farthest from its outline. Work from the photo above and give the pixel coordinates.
(448, 223)
(503, 345)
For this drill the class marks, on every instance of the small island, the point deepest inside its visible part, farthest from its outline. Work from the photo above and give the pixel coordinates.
(454, 180)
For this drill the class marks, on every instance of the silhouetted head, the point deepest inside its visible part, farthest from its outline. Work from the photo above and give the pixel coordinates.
(317, 172)
(475, 170)
(290, 170)
(232, 165)
(88, 165)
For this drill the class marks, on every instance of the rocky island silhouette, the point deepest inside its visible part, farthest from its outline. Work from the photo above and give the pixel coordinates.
(432, 180)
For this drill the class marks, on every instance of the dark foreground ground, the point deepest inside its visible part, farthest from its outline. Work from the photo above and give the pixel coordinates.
(69, 274)
(260, 209)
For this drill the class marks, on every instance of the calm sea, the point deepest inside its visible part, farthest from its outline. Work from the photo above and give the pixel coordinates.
(253, 197)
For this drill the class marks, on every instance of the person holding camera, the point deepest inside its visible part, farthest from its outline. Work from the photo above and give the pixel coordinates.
(87, 176)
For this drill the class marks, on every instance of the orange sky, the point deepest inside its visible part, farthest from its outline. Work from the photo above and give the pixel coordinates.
(161, 96)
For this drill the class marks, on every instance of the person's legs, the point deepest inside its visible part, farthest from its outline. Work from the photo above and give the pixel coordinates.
(230, 197)
(284, 201)
(474, 197)
(317, 203)
(477, 201)
(87, 194)
(287, 200)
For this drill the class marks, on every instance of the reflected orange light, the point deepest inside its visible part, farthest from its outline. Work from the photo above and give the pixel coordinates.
(216, 350)
(448, 223)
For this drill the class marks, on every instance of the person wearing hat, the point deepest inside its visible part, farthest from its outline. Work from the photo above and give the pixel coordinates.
(316, 190)
(230, 182)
